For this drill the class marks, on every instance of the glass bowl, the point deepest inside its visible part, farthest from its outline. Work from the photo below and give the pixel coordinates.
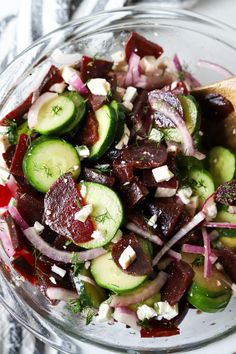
(191, 36)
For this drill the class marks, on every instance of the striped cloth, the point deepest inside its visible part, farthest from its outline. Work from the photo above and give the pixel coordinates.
(34, 19)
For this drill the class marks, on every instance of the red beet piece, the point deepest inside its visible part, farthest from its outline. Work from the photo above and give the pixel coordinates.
(141, 265)
(142, 115)
(91, 68)
(180, 276)
(123, 171)
(61, 203)
(92, 175)
(226, 193)
(96, 101)
(8, 155)
(25, 263)
(5, 196)
(178, 88)
(89, 134)
(168, 214)
(17, 113)
(145, 154)
(52, 77)
(30, 207)
(214, 106)
(15, 232)
(21, 148)
(141, 46)
(228, 259)
(133, 193)
(159, 329)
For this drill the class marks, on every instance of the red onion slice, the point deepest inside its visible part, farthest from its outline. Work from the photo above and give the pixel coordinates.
(188, 77)
(57, 255)
(35, 108)
(177, 63)
(17, 217)
(127, 317)
(153, 238)
(223, 225)
(207, 248)
(198, 250)
(197, 219)
(12, 186)
(61, 294)
(61, 58)
(216, 67)
(78, 84)
(151, 289)
(6, 240)
(133, 74)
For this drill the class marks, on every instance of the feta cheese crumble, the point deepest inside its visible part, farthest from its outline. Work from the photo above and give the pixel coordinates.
(53, 280)
(164, 310)
(104, 313)
(59, 271)
(155, 135)
(162, 174)
(124, 139)
(38, 227)
(98, 236)
(127, 257)
(130, 94)
(163, 192)
(99, 86)
(83, 213)
(83, 190)
(211, 211)
(152, 221)
(184, 194)
(67, 73)
(145, 312)
(83, 151)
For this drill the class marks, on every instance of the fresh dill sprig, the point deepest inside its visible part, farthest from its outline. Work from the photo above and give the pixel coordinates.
(102, 217)
(56, 109)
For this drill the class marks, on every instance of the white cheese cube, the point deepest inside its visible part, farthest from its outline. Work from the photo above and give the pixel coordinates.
(53, 280)
(145, 312)
(193, 204)
(127, 257)
(98, 236)
(83, 151)
(164, 310)
(67, 73)
(128, 106)
(155, 135)
(120, 63)
(83, 213)
(119, 94)
(124, 139)
(152, 221)
(149, 64)
(211, 211)
(162, 174)
(162, 192)
(38, 227)
(83, 190)
(61, 272)
(130, 94)
(58, 88)
(173, 148)
(99, 87)
(184, 194)
(117, 236)
(104, 313)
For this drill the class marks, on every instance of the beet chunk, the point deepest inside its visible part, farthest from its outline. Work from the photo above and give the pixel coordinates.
(61, 203)
(145, 154)
(21, 148)
(15, 232)
(92, 175)
(141, 265)
(91, 68)
(8, 155)
(133, 193)
(142, 115)
(226, 193)
(53, 77)
(228, 259)
(180, 276)
(17, 113)
(141, 46)
(30, 207)
(89, 134)
(123, 171)
(214, 106)
(168, 215)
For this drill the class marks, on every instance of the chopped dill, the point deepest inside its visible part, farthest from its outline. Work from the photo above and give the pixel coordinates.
(56, 109)
(102, 217)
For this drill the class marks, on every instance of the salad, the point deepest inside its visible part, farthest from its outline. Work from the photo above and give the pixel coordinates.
(113, 197)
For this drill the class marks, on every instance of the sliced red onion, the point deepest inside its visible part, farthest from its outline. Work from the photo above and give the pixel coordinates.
(61, 294)
(198, 250)
(12, 186)
(126, 316)
(151, 289)
(175, 117)
(17, 217)
(78, 84)
(153, 238)
(177, 63)
(61, 58)
(58, 87)
(190, 79)
(207, 248)
(133, 74)
(6, 240)
(57, 255)
(216, 67)
(35, 108)
(223, 225)
(197, 219)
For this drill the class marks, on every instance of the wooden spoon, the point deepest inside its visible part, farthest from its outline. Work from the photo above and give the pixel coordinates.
(220, 131)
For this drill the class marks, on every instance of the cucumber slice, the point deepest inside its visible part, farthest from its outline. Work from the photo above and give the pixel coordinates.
(208, 304)
(203, 185)
(228, 238)
(224, 216)
(222, 165)
(192, 118)
(120, 116)
(149, 302)
(107, 212)
(80, 105)
(23, 129)
(109, 276)
(55, 115)
(106, 130)
(47, 159)
(91, 294)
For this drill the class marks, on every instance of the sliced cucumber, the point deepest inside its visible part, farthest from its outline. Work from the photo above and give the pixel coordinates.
(224, 216)
(23, 129)
(91, 294)
(203, 185)
(80, 105)
(208, 304)
(55, 115)
(149, 302)
(222, 164)
(109, 276)
(47, 159)
(106, 118)
(192, 118)
(120, 116)
(107, 212)
(228, 238)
